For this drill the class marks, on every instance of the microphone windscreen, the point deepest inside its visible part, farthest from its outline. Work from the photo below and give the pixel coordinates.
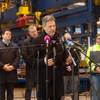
(46, 38)
(69, 43)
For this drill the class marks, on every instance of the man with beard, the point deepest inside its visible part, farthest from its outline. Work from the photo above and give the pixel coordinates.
(50, 65)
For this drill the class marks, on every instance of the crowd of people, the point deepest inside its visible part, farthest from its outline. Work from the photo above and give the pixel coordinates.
(51, 67)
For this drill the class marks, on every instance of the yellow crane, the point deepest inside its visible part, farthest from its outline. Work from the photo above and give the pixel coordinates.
(3, 6)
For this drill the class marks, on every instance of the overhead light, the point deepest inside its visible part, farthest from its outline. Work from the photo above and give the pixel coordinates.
(80, 4)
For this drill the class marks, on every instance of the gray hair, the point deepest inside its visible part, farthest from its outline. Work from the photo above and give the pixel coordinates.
(47, 18)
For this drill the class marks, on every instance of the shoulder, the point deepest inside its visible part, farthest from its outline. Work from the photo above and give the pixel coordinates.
(25, 41)
(1, 43)
(14, 44)
(41, 36)
(90, 48)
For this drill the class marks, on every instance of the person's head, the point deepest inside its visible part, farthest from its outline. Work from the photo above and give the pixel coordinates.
(49, 25)
(98, 38)
(32, 31)
(67, 36)
(6, 35)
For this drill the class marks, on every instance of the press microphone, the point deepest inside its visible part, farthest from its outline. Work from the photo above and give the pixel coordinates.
(69, 43)
(73, 44)
(47, 40)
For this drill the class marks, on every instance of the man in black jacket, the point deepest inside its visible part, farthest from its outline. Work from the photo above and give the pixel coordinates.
(50, 67)
(29, 53)
(9, 58)
(71, 77)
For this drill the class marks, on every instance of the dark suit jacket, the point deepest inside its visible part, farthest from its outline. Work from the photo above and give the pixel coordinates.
(8, 54)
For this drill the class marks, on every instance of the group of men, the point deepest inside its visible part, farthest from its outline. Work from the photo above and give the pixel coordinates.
(53, 61)
(48, 63)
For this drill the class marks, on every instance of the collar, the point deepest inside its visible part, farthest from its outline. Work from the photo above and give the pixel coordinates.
(6, 42)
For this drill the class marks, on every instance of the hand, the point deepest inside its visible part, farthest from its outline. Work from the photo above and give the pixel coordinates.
(6, 67)
(11, 67)
(50, 62)
(68, 60)
(68, 68)
(98, 69)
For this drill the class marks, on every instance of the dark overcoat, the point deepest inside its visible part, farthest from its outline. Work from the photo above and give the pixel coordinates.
(8, 55)
(58, 79)
(29, 49)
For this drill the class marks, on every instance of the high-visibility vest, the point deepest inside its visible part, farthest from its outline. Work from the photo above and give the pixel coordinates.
(94, 54)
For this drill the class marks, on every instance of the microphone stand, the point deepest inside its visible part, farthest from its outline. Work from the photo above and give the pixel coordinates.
(74, 63)
(36, 75)
(47, 40)
(47, 72)
(37, 69)
(54, 67)
(78, 58)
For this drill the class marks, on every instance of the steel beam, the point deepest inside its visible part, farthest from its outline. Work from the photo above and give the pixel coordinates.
(66, 19)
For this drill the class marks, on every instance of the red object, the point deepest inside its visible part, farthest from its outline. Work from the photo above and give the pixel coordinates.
(20, 22)
(24, 20)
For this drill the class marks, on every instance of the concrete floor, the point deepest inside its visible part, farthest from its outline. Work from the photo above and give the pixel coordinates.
(19, 95)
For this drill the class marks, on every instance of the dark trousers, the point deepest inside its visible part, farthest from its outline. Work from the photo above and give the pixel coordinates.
(29, 86)
(10, 90)
(41, 93)
(72, 85)
(30, 81)
(51, 98)
(56, 98)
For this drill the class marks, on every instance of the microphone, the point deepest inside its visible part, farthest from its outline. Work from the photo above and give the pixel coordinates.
(73, 44)
(47, 40)
(69, 43)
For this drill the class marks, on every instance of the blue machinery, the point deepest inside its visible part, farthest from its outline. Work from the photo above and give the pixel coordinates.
(84, 17)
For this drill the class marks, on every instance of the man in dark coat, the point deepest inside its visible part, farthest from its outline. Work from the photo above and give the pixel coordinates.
(29, 53)
(50, 66)
(71, 69)
(9, 58)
